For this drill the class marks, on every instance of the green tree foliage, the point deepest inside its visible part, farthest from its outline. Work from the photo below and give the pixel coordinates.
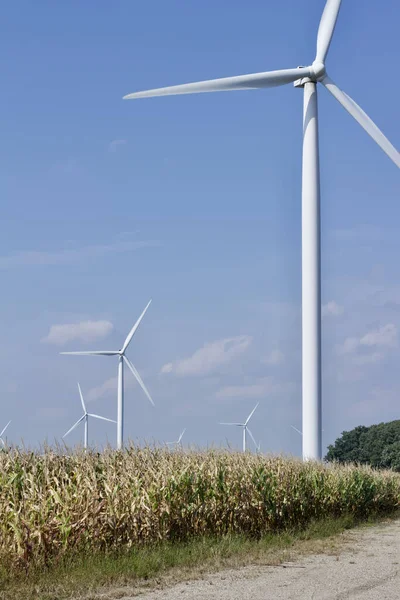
(377, 445)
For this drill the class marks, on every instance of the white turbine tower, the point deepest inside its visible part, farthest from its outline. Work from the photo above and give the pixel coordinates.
(122, 359)
(2, 433)
(245, 428)
(307, 78)
(85, 419)
(178, 441)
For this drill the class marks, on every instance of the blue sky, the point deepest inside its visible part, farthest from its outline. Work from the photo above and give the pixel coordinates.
(194, 202)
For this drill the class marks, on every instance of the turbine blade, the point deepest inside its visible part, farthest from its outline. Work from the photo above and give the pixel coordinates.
(363, 119)
(228, 84)
(295, 428)
(252, 437)
(133, 330)
(5, 428)
(251, 414)
(94, 352)
(102, 418)
(81, 395)
(138, 378)
(237, 424)
(326, 28)
(180, 437)
(73, 426)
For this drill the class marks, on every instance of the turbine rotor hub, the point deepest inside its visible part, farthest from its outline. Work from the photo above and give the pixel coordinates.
(318, 70)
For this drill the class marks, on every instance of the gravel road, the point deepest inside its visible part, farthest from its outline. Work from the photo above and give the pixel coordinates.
(366, 568)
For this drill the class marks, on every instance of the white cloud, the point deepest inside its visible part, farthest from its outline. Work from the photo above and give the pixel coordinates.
(332, 309)
(209, 357)
(113, 146)
(359, 234)
(110, 385)
(108, 388)
(384, 337)
(256, 390)
(85, 331)
(70, 255)
(274, 358)
(349, 345)
(52, 412)
(264, 387)
(368, 359)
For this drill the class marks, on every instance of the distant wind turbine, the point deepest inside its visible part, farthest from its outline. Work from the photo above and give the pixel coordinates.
(2, 433)
(309, 78)
(122, 358)
(178, 441)
(85, 419)
(245, 428)
(298, 430)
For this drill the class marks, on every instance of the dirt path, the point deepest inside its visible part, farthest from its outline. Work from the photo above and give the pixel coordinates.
(367, 568)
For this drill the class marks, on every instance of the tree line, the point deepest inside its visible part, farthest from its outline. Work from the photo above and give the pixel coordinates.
(377, 445)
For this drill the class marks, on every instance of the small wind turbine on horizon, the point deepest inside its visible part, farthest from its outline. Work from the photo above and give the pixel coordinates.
(307, 78)
(245, 428)
(298, 430)
(2, 433)
(85, 419)
(122, 359)
(178, 441)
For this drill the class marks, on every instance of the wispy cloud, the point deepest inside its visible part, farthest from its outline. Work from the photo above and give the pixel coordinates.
(332, 309)
(108, 388)
(384, 337)
(274, 358)
(100, 391)
(261, 388)
(35, 258)
(85, 331)
(115, 144)
(359, 234)
(211, 356)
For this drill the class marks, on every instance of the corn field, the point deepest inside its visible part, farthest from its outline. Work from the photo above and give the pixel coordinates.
(52, 504)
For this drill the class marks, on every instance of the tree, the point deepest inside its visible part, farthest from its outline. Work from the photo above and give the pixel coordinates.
(391, 457)
(347, 448)
(377, 445)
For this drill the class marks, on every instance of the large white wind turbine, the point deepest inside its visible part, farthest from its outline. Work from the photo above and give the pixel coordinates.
(178, 441)
(2, 433)
(307, 78)
(85, 419)
(245, 428)
(122, 359)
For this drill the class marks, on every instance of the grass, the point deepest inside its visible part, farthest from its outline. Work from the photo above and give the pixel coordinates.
(116, 575)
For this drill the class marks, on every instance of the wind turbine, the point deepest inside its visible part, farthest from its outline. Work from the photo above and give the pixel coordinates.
(178, 441)
(298, 430)
(306, 78)
(245, 428)
(122, 358)
(85, 419)
(2, 433)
